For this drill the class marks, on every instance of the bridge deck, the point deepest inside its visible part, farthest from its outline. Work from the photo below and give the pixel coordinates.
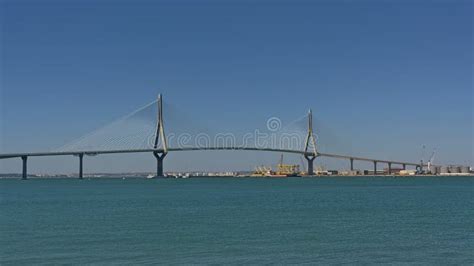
(96, 152)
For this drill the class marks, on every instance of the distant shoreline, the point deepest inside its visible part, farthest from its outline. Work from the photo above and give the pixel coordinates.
(36, 177)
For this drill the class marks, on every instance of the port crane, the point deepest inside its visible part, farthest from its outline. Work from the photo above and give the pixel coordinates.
(430, 161)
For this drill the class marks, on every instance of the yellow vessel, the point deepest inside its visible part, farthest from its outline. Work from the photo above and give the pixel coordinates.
(283, 170)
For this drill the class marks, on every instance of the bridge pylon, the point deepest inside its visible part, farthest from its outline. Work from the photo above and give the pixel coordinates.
(310, 154)
(160, 135)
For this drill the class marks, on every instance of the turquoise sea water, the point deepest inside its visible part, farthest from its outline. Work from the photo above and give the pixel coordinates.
(240, 221)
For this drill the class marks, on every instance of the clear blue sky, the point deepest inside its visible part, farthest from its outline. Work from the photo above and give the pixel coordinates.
(386, 77)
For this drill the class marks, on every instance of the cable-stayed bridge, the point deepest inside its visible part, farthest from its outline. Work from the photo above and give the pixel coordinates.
(160, 149)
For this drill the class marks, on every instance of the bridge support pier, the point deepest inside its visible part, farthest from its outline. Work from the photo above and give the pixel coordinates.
(310, 160)
(352, 164)
(24, 175)
(81, 159)
(389, 168)
(404, 166)
(375, 167)
(159, 163)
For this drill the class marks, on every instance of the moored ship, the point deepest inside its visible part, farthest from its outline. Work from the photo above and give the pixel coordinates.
(283, 170)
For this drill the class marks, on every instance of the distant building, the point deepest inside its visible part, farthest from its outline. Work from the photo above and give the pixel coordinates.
(392, 171)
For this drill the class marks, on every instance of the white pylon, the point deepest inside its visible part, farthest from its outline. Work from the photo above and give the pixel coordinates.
(310, 139)
(160, 130)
